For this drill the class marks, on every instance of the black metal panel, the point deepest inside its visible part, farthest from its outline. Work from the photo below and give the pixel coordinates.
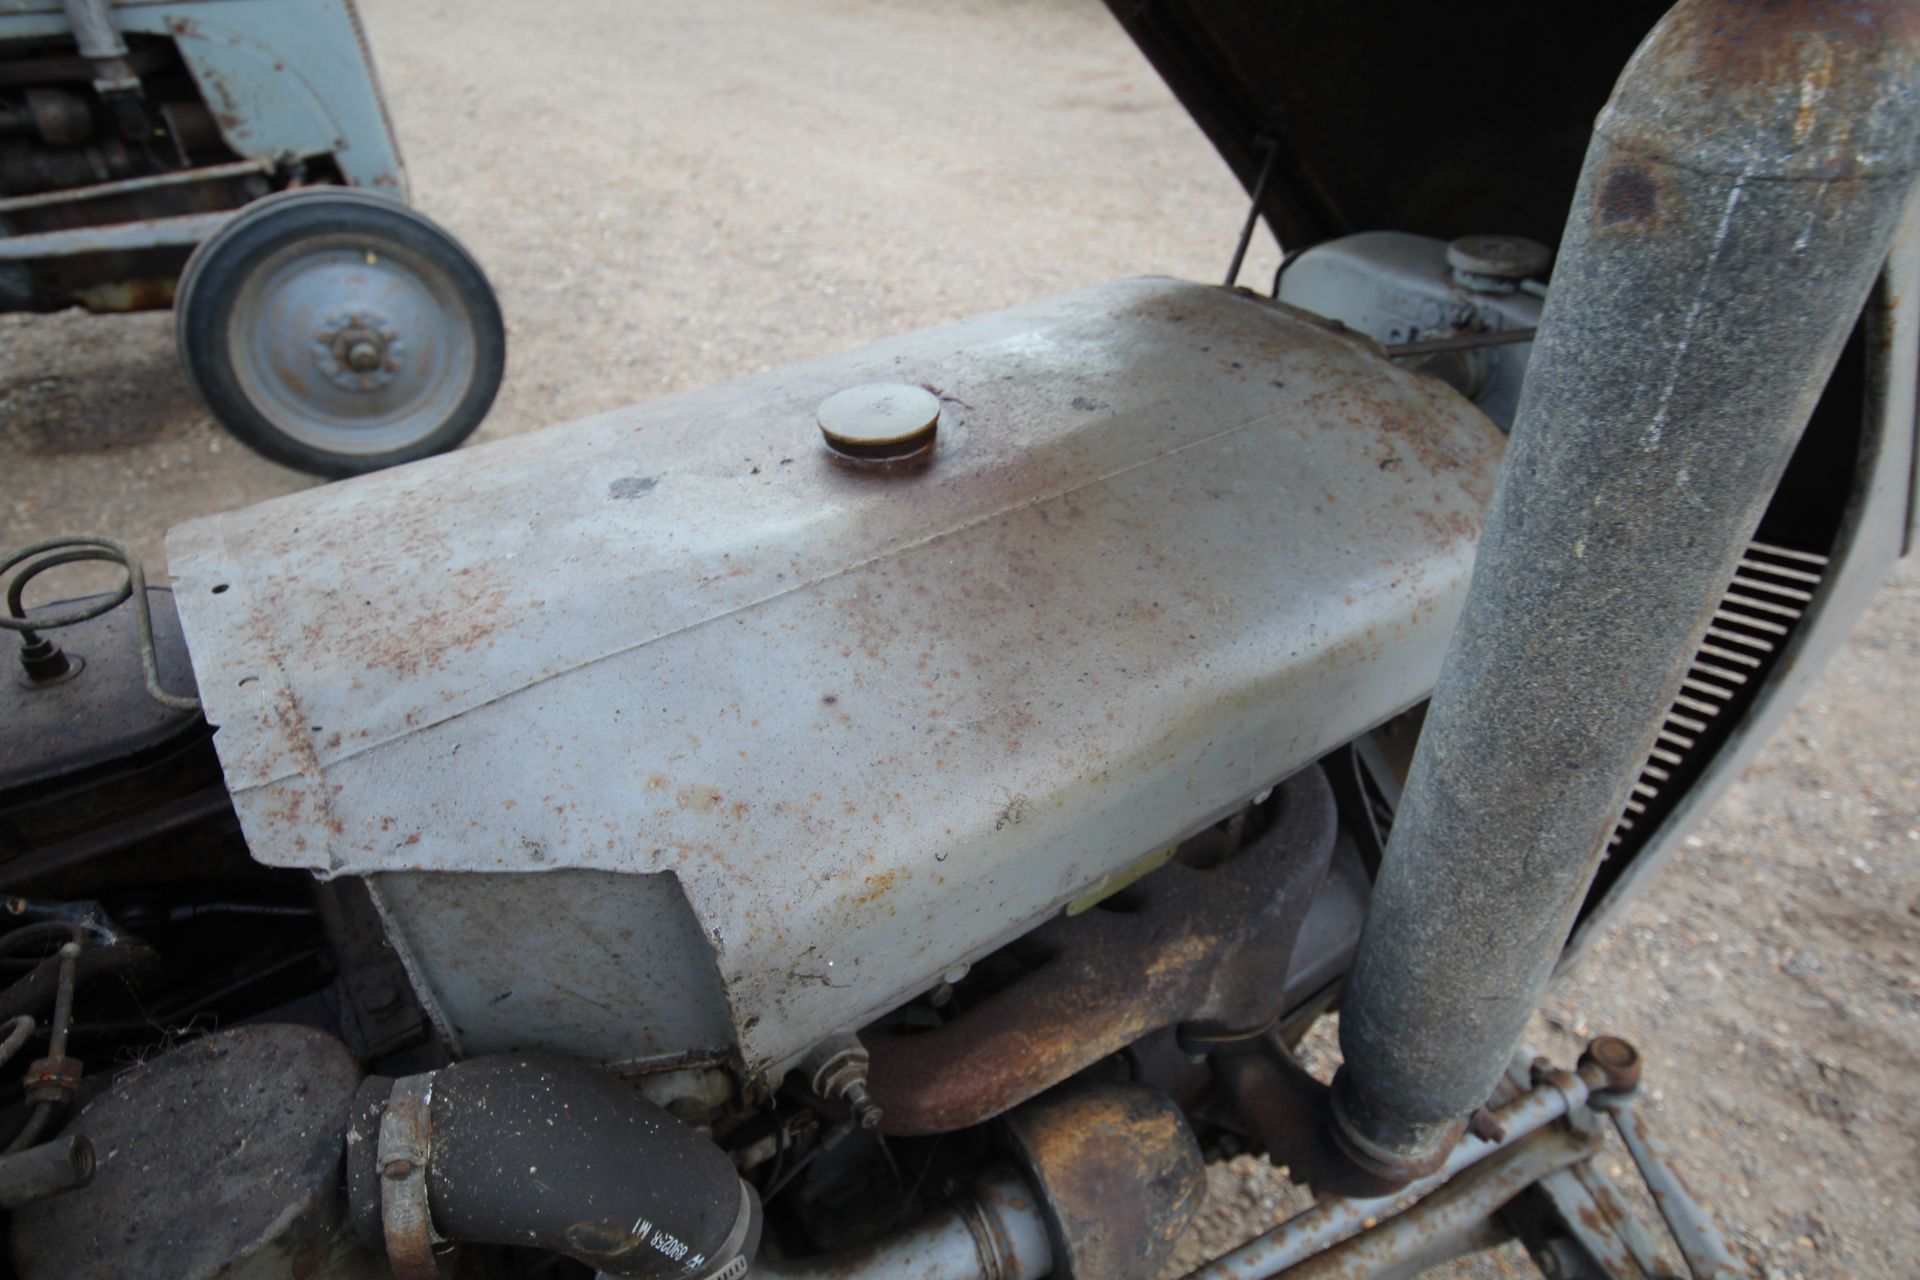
(1440, 119)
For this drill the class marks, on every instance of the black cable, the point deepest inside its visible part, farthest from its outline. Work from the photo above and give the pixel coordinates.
(42, 932)
(1253, 210)
(39, 989)
(192, 1006)
(1287, 258)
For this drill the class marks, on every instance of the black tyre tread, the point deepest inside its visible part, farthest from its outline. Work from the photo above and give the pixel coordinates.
(211, 282)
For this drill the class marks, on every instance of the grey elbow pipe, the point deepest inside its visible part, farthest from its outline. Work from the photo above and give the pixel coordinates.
(1739, 195)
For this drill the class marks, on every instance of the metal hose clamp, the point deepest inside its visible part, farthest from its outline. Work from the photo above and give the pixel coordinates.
(405, 1146)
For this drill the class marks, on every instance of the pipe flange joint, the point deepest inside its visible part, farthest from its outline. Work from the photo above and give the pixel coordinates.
(1422, 1150)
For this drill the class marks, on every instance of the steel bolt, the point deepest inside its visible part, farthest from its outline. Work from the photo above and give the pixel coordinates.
(1483, 1126)
(837, 1068)
(866, 1112)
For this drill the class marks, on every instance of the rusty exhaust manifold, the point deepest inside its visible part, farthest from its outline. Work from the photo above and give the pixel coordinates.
(1740, 193)
(1207, 949)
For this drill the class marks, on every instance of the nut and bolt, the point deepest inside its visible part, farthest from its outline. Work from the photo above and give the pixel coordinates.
(1485, 1127)
(866, 1112)
(837, 1069)
(358, 350)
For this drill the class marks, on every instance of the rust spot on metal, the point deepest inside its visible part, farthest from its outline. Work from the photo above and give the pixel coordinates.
(1804, 88)
(1788, 41)
(1628, 194)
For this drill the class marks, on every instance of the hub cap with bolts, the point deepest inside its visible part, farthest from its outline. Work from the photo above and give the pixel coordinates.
(352, 345)
(358, 351)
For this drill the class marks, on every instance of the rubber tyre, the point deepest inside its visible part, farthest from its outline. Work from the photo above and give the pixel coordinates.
(217, 276)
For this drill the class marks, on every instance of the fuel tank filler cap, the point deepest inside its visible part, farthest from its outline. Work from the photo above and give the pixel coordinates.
(880, 422)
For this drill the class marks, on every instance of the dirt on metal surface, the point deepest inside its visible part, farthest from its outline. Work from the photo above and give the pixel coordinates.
(925, 164)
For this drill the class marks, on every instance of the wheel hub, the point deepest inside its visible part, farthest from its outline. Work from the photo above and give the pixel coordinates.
(358, 350)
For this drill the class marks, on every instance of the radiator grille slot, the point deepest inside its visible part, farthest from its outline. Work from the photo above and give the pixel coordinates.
(1770, 592)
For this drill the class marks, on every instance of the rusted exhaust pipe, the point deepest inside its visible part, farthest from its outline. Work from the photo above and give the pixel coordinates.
(1740, 193)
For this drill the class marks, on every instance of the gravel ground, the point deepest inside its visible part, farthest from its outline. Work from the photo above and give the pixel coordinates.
(716, 189)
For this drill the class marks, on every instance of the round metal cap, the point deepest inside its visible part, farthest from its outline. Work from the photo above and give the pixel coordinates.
(1497, 259)
(880, 421)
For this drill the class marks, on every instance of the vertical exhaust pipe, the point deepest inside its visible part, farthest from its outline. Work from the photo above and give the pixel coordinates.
(1739, 195)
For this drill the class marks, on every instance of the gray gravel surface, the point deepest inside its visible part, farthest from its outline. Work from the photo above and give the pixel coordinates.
(666, 197)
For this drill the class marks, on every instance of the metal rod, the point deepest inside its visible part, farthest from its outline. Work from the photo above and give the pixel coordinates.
(154, 233)
(94, 34)
(1253, 211)
(1420, 1236)
(124, 186)
(1331, 1220)
(1701, 1244)
(1460, 342)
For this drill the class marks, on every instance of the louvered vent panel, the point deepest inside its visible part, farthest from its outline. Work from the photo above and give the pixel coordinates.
(1770, 591)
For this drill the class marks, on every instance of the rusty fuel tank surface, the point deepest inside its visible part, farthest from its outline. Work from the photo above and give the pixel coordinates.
(673, 734)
